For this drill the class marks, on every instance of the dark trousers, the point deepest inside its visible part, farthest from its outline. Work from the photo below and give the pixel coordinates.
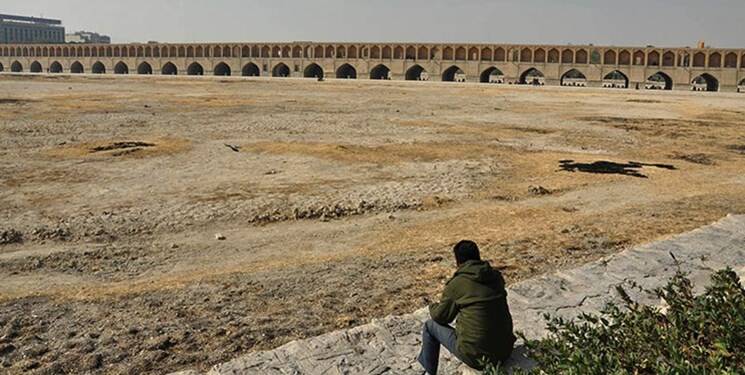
(435, 335)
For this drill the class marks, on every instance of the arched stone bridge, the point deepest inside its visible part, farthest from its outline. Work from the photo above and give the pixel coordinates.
(700, 69)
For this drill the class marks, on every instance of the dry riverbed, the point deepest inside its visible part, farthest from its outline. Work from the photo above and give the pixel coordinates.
(337, 203)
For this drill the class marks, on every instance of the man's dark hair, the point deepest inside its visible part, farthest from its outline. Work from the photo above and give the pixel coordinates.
(465, 251)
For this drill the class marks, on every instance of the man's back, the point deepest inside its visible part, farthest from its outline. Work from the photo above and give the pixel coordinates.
(476, 295)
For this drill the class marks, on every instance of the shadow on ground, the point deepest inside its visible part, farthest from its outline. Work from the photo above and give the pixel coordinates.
(631, 168)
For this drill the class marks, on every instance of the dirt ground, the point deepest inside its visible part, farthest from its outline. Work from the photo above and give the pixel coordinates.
(337, 202)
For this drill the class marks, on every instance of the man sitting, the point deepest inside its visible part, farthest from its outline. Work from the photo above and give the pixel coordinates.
(476, 295)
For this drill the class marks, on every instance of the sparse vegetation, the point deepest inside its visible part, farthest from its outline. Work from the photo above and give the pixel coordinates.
(693, 335)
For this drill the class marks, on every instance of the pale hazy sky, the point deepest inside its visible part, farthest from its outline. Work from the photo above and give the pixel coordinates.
(618, 22)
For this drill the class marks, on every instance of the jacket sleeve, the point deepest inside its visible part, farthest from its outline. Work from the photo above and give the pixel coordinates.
(447, 310)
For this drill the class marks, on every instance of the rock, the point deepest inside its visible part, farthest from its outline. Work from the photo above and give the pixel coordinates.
(92, 361)
(34, 351)
(465, 370)
(160, 343)
(29, 365)
(220, 237)
(538, 190)
(10, 236)
(7, 349)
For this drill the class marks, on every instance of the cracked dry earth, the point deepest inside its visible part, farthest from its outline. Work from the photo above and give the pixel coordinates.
(338, 203)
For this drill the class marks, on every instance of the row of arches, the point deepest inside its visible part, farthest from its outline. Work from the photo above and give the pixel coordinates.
(196, 69)
(533, 55)
(572, 77)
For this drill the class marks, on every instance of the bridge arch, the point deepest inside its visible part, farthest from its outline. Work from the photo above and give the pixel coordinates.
(653, 59)
(705, 82)
(251, 70)
(740, 86)
(447, 53)
(281, 70)
(616, 79)
(609, 58)
(533, 76)
(573, 77)
(492, 75)
(121, 68)
(313, 71)
(16, 67)
(659, 81)
(539, 56)
(410, 53)
(2, 68)
(221, 69)
(423, 53)
(380, 72)
(699, 60)
(77, 68)
(169, 69)
(730, 60)
(526, 55)
(55, 67)
(639, 58)
(195, 69)
(624, 58)
(580, 57)
(668, 58)
(35, 67)
(144, 68)
(567, 56)
(500, 54)
(460, 54)
(415, 73)
(454, 74)
(98, 68)
(346, 71)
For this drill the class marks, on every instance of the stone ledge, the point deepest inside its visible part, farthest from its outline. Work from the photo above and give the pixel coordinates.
(390, 345)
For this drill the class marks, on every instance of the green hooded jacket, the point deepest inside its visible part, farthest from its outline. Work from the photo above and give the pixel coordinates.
(476, 295)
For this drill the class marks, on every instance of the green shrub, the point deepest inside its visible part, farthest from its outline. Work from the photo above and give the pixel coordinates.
(702, 334)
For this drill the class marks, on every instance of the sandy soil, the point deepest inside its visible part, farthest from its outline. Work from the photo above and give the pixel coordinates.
(338, 203)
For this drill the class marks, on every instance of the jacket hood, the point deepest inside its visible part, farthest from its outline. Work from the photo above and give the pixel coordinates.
(479, 271)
